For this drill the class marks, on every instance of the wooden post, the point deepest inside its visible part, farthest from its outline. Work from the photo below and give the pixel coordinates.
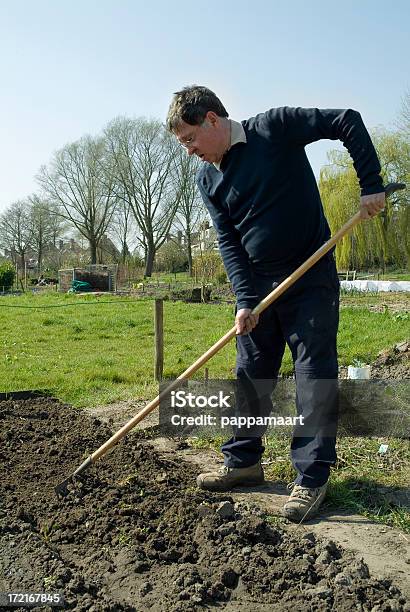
(159, 339)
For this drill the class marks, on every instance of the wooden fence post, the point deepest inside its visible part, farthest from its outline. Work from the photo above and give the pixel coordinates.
(159, 339)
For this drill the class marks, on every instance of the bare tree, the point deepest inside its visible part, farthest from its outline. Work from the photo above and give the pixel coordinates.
(46, 226)
(77, 181)
(16, 231)
(142, 160)
(190, 211)
(122, 228)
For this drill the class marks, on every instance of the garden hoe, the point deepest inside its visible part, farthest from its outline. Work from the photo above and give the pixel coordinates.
(62, 488)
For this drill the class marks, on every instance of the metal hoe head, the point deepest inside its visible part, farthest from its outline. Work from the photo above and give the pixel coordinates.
(62, 489)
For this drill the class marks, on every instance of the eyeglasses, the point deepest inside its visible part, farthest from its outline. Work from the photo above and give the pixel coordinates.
(189, 141)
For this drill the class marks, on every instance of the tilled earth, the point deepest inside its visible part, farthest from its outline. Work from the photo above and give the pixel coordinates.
(135, 534)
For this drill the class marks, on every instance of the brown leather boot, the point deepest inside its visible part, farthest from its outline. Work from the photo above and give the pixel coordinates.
(303, 502)
(226, 478)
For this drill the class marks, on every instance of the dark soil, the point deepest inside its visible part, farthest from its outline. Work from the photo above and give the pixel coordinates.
(393, 363)
(135, 533)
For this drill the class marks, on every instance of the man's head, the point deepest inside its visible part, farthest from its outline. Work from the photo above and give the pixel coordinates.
(199, 120)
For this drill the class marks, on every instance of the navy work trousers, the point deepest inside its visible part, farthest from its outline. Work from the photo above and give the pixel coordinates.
(305, 318)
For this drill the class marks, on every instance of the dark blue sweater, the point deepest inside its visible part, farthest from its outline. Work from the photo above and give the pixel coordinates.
(265, 204)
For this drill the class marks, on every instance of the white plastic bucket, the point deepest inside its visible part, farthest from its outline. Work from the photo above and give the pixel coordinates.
(358, 373)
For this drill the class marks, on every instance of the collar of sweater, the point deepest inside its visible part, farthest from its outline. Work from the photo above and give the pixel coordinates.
(237, 135)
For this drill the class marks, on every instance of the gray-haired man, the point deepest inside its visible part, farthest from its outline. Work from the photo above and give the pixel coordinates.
(260, 191)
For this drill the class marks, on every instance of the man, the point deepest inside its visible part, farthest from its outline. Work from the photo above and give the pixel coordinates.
(260, 191)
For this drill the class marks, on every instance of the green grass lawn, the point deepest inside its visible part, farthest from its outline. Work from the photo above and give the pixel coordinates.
(170, 277)
(396, 275)
(90, 350)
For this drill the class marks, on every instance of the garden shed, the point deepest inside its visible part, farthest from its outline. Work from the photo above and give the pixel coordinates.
(100, 277)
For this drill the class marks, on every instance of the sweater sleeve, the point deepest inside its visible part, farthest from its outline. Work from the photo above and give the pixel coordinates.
(233, 254)
(302, 126)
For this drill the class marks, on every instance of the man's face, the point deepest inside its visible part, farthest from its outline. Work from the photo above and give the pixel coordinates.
(208, 141)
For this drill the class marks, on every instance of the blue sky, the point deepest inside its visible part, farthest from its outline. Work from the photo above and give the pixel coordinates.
(68, 67)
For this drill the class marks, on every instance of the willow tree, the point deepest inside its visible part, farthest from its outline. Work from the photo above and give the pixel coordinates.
(385, 239)
(403, 121)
